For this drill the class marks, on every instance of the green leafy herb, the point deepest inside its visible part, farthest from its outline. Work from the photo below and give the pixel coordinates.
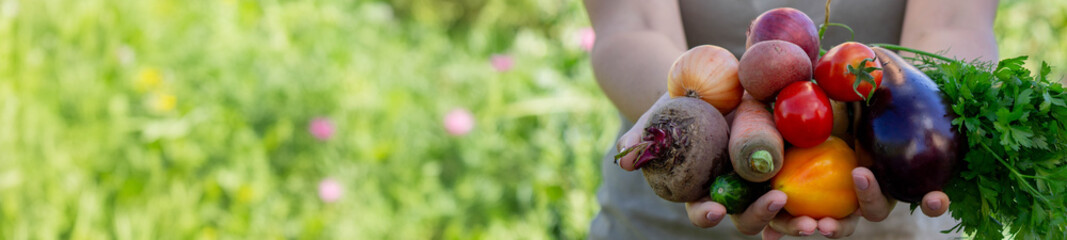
(1014, 181)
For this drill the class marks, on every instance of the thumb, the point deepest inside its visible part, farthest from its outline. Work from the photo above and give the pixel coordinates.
(770, 234)
(626, 144)
(935, 203)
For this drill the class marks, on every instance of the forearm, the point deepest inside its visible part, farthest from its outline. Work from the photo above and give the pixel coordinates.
(959, 44)
(631, 67)
(961, 28)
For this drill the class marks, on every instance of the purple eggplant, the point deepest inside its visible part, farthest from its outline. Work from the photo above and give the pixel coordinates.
(906, 132)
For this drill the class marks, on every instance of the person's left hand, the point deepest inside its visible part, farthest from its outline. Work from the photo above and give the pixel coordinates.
(873, 206)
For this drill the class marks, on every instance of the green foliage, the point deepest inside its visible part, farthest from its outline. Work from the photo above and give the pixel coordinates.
(1015, 179)
(179, 119)
(1034, 28)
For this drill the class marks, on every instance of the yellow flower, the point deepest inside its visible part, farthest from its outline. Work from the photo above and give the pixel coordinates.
(245, 194)
(148, 79)
(163, 102)
(208, 233)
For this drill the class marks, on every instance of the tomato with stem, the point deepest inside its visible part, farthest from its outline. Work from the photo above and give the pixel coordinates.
(849, 72)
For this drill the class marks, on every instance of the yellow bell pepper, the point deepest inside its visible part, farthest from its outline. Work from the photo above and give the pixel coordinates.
(818, 180)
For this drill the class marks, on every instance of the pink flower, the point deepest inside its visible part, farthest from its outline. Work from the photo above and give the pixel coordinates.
(459, 122)
(322, 128)
(586, 38)
(330, 190)
(501, 62)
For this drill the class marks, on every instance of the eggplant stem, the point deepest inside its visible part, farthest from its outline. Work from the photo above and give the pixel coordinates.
(761, 161)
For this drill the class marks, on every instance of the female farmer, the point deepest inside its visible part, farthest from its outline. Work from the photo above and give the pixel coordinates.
(638, 40)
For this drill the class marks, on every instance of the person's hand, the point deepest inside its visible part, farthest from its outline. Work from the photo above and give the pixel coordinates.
(706, 213)
(629, 140)
(633, 136)
(873, 206)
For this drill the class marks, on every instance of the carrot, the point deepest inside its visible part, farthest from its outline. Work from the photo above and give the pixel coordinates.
(756, 147)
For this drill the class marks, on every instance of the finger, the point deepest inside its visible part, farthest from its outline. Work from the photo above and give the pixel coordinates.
(759, 213)
(705, 213)
(838, 228)
(793, 226)
(935, 203)
(770, 234)
(626, 142)
(874, 206)
(631, 138)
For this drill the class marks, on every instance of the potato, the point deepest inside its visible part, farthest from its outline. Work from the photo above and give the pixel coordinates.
(769, 66)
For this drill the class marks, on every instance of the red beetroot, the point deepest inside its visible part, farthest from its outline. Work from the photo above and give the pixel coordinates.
(683, 149)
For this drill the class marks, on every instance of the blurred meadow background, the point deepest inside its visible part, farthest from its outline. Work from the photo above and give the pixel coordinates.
(323, 119)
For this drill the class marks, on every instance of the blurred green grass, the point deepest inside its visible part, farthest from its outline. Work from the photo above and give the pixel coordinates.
(176, 119)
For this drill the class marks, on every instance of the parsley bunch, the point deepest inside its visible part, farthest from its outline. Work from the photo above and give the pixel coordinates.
(1014, 177)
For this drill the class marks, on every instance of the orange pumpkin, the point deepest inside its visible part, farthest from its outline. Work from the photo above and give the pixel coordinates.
(818, 180)
(707, 72)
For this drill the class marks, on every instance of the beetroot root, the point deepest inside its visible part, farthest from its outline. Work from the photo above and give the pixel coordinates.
(684, 148)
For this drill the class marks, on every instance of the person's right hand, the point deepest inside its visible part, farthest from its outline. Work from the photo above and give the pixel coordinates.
(633, 136)
(705, 213)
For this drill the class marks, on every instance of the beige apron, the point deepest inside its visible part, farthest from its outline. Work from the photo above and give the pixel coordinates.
(629, 208)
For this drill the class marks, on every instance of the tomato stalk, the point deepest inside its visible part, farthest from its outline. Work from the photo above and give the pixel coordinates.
(863, 74)
(826, 23)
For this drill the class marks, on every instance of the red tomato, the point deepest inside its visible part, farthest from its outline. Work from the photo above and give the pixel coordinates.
(803, 114)
(833, 75)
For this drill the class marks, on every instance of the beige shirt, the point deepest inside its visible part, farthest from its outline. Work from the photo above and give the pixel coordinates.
(724, 22)
(629, 208)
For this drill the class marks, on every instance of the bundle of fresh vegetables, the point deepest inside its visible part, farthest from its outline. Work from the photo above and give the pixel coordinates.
(992, 138)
